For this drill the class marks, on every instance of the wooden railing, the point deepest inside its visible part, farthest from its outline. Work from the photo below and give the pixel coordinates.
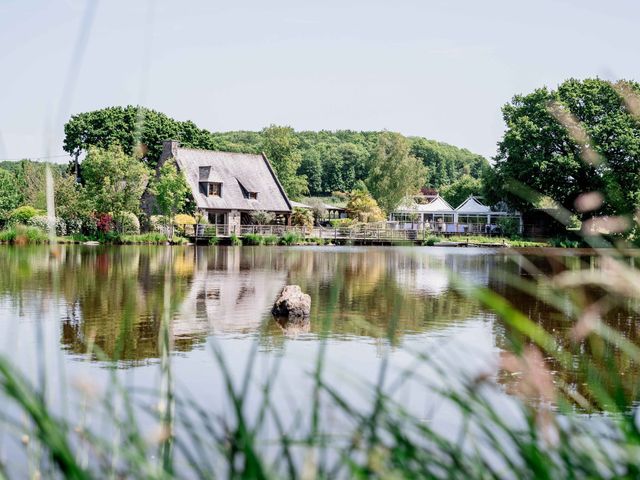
(359, 232)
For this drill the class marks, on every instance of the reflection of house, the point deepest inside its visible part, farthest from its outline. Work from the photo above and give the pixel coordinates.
(228, 186)
(437, 215)
(225, 298)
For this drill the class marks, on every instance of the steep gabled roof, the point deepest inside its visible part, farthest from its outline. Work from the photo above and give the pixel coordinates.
(437, 205)
(473, 205)
(234, 171)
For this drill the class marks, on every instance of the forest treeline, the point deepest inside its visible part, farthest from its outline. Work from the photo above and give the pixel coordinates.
(329, 161)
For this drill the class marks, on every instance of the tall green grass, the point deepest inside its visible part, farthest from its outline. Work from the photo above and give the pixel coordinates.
(22, 234)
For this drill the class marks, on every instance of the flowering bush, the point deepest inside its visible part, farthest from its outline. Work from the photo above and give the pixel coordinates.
(42, 222)
(104, 222)
(127, 223)
(74, 225)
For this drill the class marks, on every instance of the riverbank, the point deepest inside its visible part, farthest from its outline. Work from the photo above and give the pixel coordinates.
(26, 235)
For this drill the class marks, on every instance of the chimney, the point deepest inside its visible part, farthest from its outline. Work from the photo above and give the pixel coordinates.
(170, 148)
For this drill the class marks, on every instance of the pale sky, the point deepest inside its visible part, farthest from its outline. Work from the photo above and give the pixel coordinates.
(436, 68)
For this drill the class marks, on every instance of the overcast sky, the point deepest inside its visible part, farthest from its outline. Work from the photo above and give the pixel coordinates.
(436, 68)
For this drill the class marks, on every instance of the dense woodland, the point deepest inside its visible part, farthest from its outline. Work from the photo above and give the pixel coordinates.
(328, 161)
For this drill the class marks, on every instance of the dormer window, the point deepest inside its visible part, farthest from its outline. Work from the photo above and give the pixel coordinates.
(214, 189)
(249, 194)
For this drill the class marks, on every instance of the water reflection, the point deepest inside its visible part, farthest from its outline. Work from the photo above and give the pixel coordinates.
(112, 297)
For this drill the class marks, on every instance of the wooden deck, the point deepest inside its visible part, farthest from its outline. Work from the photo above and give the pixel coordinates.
(338, 235)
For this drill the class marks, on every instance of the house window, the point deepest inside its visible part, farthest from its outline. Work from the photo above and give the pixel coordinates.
(214, 189)
(252, 195)
(216, 218)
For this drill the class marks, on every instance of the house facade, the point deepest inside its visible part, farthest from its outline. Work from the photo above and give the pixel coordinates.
(436, 214)
(228, 187)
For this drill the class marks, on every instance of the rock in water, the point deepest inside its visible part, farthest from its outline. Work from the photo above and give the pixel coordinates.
(292, 303)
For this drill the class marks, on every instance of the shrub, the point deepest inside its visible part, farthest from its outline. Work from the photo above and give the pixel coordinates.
(235, 240)
(157, 223)
(270, 240)
(260, 217)
(42, 222)
(185, 224)
(104, 223)
(127, 223)
(184, 219)
(177, 240)
(22, 235)
(302, 217)
(74, 225)
(342, 222)
(21, 215)
(290, 238)
(214, 240)
(430, 241)
(564, 243)
(509, 227)
(253, 239)
(8, 235)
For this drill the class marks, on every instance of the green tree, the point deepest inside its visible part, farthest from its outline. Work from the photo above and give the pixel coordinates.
(302, 217)
(458, 191)
(311, 167)
(10, 196)
(170, 190)
(71, 202)
(445, 162)
(280, 145)
(582, 137)
(113, 180)
(363, 207)
(395, 173)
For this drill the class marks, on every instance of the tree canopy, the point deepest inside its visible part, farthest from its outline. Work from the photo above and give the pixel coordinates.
(280, 145)
(114, 180)
(330, 160)
(582, 137)
(10, 196)
(170, 190)
(457, 192)
(394, 173)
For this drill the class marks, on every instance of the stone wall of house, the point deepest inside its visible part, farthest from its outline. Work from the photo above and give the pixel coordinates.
(233, 218)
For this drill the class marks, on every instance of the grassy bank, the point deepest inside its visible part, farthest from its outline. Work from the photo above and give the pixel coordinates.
(27, 235)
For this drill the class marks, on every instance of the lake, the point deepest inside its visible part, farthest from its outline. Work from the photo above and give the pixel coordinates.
(72, 315)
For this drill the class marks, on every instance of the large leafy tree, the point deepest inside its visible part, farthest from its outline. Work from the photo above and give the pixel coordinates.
(363, 207)
(458, 191)
(170, 189)
(280, 145)
(582, 137)
(394, 173)
(114, 181)
(137, 130)
(10, 196)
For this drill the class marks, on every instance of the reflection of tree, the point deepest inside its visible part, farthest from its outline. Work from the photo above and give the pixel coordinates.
(371, 292)
(113, 297)
(592, 359)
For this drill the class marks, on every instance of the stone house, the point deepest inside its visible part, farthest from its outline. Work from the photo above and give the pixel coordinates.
(227, 187)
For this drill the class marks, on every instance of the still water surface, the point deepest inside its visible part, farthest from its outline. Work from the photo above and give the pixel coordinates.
(370, 302)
